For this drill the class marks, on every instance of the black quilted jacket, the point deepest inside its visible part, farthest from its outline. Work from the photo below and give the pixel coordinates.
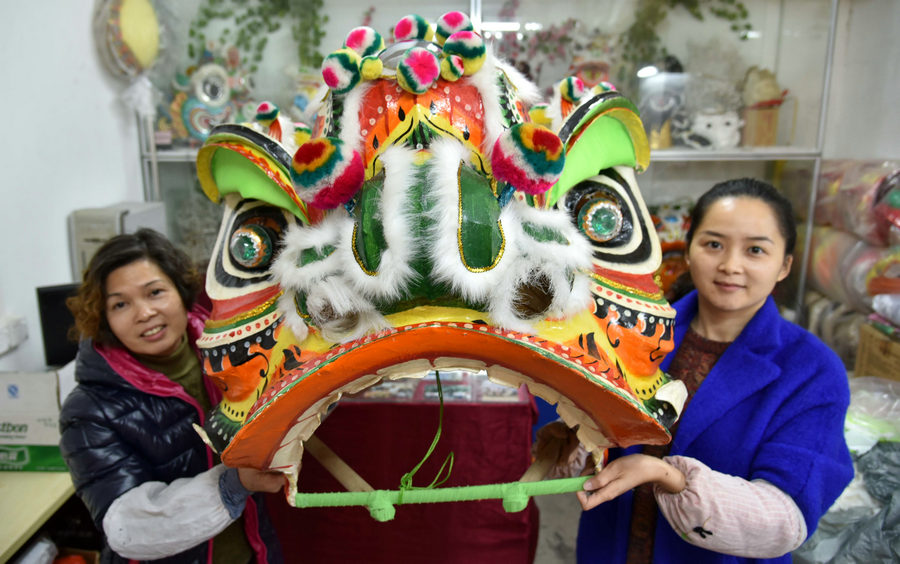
(116, 437)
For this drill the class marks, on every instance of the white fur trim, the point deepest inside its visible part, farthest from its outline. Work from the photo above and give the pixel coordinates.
(322, 283)
(554, 109)
(287, 270)
(350, 126)
(485, 80)
(288, 310)
(526, 90)
(295, 279)
(368, 321)
(447, 157)
(553, 260)
(394, 269)
(335, 293)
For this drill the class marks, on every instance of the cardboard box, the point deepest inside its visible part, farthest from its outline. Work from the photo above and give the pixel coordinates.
(877, 355)
(29, 419)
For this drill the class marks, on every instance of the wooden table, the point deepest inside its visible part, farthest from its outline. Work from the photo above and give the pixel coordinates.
(27, 500)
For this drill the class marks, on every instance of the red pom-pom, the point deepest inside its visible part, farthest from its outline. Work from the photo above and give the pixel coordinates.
(344, 186)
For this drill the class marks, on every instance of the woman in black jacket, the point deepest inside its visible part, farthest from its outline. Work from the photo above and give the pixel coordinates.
(152, 486)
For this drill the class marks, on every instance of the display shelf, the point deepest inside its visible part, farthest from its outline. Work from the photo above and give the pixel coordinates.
(189, 155)
(177, 155)
(736, 154)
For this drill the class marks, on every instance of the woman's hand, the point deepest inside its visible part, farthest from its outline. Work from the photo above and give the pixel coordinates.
(623, 474)
(261, 481)
(555, 441)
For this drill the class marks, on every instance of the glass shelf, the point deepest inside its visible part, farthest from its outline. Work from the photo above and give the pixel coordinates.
(176, 155)
(185, 154)
(775, 153)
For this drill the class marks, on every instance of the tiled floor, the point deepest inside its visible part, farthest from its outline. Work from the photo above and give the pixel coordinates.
(559, 526)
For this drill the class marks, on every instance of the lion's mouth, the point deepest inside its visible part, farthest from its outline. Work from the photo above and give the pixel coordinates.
(591, 394)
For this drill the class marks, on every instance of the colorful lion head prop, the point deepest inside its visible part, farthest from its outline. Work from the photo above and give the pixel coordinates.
(425, 223)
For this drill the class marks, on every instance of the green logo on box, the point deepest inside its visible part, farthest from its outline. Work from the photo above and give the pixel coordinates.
(14, 455)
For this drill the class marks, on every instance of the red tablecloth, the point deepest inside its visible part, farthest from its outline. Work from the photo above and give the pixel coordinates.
(382, 441)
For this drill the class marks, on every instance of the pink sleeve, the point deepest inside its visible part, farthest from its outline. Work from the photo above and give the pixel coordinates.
(731, 515)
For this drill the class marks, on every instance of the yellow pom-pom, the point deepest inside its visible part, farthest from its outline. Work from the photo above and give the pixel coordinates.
(538, 115)
(371, 68)
(452, 68)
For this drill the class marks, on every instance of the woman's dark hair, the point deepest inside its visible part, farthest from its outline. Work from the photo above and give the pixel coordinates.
(89, 305)
(749, 188)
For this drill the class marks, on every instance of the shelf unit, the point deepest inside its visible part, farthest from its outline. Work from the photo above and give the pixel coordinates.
(159, 165)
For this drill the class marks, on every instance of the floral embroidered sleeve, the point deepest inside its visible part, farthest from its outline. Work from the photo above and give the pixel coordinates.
(731, 515)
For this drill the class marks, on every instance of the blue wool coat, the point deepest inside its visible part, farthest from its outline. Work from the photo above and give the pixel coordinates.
(772, 408)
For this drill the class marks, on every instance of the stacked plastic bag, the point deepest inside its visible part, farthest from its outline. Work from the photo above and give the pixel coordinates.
(855, 246)
(863, 525)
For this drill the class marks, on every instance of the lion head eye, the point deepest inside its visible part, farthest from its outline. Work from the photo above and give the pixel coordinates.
(249, 240)
(601, 219)
(600, 212)
(251, 246)
(609, 210)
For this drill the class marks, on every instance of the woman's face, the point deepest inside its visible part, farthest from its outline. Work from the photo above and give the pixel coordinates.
(737, 256)
(144, 309)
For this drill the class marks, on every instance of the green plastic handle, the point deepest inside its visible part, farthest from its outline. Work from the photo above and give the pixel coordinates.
(515, 496)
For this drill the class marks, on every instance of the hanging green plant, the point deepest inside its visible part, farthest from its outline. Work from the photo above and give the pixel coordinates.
(253, 21)
(641, 44)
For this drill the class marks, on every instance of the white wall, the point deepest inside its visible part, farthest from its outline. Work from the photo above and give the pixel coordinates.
(66, 143)
(70, 143)
(864, 111)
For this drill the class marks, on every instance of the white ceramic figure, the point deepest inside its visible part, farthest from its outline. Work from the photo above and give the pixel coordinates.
(720, 130)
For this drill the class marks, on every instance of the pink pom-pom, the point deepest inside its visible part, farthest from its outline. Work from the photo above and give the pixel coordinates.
(572, 89)
(452, 68)
(418, 70)
(340, 70)
(412, 27)
(450, 23)
(365, 41)
(469, 46)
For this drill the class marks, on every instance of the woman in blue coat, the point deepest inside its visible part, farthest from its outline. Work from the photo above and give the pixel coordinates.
(759, 453)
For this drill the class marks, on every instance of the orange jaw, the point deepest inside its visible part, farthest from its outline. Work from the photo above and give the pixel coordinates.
(590, 390)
